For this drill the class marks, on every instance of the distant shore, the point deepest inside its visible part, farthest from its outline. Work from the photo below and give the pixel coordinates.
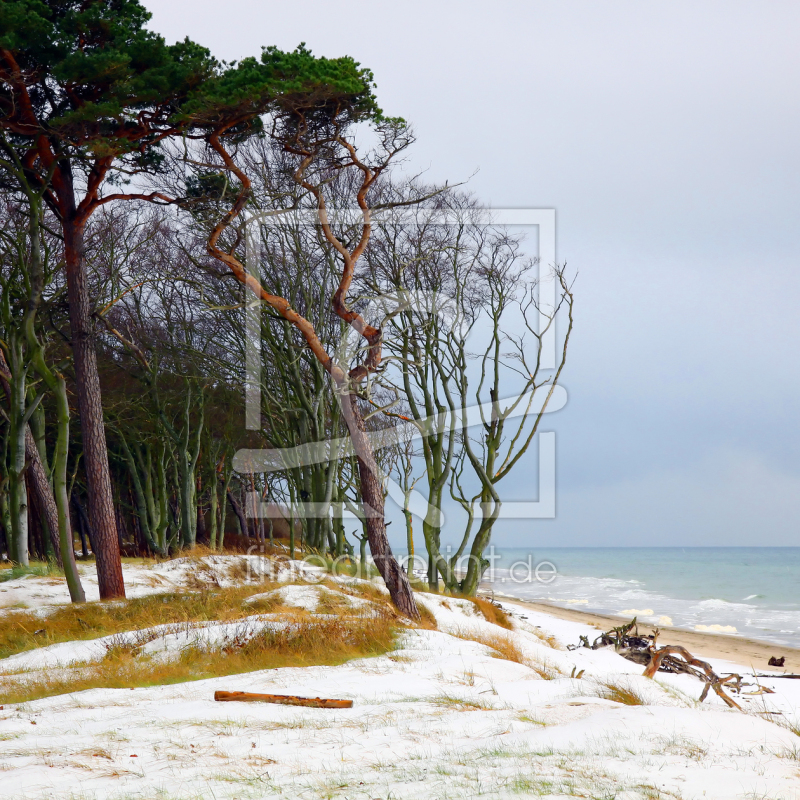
(738, 649)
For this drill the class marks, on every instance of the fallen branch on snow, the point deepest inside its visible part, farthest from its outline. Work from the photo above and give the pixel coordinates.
(282, 699)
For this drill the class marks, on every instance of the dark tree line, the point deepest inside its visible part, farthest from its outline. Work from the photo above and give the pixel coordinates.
(145, 209)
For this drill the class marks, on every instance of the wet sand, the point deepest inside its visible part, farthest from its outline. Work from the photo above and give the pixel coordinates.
(740, 650)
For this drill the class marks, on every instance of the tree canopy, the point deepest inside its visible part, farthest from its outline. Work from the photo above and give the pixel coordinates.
(92, 80)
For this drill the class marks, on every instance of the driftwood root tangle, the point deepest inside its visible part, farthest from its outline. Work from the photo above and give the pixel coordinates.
(672, 658)
(282, 699)
(713, 681)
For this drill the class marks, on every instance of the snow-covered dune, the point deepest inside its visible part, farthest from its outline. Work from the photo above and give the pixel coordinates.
(442, 716)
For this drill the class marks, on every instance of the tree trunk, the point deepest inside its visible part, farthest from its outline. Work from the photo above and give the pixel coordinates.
(42, 493)
(202, 535)
(362, 558)
(212, 502)
(393, 576)
(159, 513)
(338, 527)
(237, 509)
(83, 521)
(477, 565)
(83, 537)
(409, 539)
(18, 492)
(438, 566)
(65, 540)
(222, 513)
(430, 533)
(37, 474)
(36, 535)
(87, 384)
(140, 498)
(187, 500)
(41, 490)
(5, 514)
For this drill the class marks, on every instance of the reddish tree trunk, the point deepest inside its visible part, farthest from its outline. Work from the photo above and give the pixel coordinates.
(93, 433)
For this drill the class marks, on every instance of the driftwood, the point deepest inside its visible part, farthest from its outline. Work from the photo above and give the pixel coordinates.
(643, 650)
(282, 699)
(713, 681)
(785, 675)
(626, 641)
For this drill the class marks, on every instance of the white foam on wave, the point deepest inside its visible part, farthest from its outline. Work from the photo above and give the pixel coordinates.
(715, 628)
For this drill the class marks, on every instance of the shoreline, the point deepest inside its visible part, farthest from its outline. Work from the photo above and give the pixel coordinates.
(731, 647)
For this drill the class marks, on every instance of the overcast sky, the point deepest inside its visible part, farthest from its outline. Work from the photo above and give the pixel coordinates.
(666, 137)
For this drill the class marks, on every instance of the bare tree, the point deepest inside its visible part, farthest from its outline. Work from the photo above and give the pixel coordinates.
(512, 394)
(445, 287)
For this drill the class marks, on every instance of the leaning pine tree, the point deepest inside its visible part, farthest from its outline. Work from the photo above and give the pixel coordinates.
(311, 101)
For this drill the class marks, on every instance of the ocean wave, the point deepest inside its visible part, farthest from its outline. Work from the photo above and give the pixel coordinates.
(716, 602)
(673, 593)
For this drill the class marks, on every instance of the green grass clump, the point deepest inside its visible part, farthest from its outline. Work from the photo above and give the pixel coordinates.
(43, 569)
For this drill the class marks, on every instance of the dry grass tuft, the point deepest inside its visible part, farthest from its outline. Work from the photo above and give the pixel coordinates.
(376, 594)
(334, 602)
(545, 670)
(789, 724)
(304, 642)
(268, 605)
(620, 693)
(546, 638)
(532, 720)
(503, 646)
(491, 612)
(427, 619)
(506, 648)
(20, 631)
(365, 589)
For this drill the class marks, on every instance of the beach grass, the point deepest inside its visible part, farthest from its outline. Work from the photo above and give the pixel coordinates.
(307, 641)
(23, 630)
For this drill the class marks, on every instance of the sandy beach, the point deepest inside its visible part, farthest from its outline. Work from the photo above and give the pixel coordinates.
(728, 647)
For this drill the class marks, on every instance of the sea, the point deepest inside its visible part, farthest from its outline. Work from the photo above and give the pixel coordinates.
(738, 591)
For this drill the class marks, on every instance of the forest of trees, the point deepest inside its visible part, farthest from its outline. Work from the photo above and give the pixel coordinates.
(184, 239)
